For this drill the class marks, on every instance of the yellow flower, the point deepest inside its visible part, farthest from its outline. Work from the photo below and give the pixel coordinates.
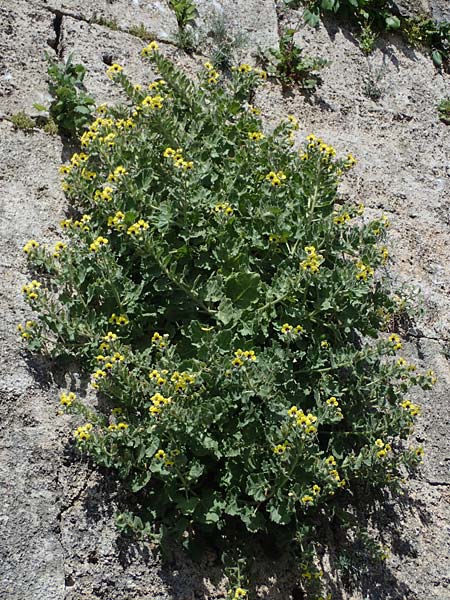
(255, 136)
(307, 500)
(98, 243)
(379, 443)
(286, 328)
(67, 399)
(316, 489)
(213, 77)
(30, 246)
(293, 121)
(332, 401)
(114, 69)
(324, 344)
(273, 178)
(110, 337)
(395, 341)
(240, 593)
(292, 412)
(119, 319)
(244, 68)
(254, 110)
(330, 461)
(112, 427)
(122, 426)
(350, 162)
(160, 455)
(279, 449)
(64, 169)
(150, 49)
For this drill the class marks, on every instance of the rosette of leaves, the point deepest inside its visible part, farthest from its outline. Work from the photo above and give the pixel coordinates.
(71, 107)
(231, 309)
(291, 66)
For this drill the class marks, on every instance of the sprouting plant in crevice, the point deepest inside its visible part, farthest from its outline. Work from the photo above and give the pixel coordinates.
(367, 39)
(288, 64)
(71, 107)
(444, 110)
(110, 23)
(372, 82)
(376, 16)
(225, 45)
(23, 121)
(141, 32)
(425, 32)
(185, 11)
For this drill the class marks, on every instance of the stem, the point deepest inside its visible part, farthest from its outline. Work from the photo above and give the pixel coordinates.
(185, 288)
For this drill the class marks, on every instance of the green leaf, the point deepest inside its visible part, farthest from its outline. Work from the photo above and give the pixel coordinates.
(437, 57)
(243, 288)
(392, 22)
(140, 481)
(311, 18)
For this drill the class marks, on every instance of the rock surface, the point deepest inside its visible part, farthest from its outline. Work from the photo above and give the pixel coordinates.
(57, 533)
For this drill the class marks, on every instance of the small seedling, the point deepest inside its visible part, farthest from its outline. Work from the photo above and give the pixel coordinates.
(104, 22)
(290, 66)
(71, 107)
(22, 121)
(444, 110)
(141, 32)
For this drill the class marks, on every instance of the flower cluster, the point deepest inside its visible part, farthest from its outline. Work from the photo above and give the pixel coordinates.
(98, 243)
(153, 102)
(243, 356)
(277, 178)
(257, 136)
(223, 208)
(178, 160)
(82, 434)
(30, 290)
(30, 246)
(306, 422)
(383, 449)
(313, 260)
(291, 330)
(395, 341)
(413, 409)
(160, 341)
(67, 400)
(26, 331)
(138, 228)
(212, 75)
(364, 271)
(158, 401)
(119, 319)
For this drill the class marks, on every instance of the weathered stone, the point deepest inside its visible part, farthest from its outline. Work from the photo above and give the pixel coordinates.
(24, 33)
(155, 16)
(253, 23)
